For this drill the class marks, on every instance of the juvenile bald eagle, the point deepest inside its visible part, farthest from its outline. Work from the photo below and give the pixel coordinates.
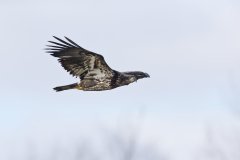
(90, 67)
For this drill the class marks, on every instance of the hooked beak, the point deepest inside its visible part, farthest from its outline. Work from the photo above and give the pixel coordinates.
(147, 75)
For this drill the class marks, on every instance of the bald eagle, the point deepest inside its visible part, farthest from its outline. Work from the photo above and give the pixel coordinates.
(90, 67)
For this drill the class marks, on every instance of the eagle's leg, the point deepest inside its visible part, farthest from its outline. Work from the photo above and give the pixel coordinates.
(79, 87)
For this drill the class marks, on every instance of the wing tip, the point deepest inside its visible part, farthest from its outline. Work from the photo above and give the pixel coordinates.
(53, 54)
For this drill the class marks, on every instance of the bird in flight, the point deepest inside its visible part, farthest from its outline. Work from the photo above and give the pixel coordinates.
(90, 67)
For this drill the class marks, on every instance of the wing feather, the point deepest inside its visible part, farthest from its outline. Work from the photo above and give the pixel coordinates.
(59, 44)
(78, 61)
(68, 44)
(51, 46)
(73, 43)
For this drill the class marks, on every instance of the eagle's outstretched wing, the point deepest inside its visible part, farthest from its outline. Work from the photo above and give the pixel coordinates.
(79, 61)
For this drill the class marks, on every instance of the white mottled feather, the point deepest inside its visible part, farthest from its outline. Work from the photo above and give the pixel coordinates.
(96, 74)
(92, 61)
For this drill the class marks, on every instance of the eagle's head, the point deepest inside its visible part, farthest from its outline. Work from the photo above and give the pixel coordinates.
(134, 76)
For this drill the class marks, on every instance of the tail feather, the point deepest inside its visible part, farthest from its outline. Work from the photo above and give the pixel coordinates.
(66, 87)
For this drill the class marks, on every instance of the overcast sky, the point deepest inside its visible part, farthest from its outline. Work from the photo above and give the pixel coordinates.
(190, 49)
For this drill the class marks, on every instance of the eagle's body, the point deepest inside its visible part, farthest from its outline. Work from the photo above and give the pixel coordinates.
(90, 67)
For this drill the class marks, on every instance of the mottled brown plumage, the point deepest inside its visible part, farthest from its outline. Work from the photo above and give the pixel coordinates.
(90, 67)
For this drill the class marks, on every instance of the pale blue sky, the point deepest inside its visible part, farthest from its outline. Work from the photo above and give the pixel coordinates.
(190, 48)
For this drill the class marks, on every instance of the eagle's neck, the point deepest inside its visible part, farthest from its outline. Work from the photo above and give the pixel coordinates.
(120, 79)
(115, 78)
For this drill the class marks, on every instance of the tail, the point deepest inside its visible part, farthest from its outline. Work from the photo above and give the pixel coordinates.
(62, 88)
